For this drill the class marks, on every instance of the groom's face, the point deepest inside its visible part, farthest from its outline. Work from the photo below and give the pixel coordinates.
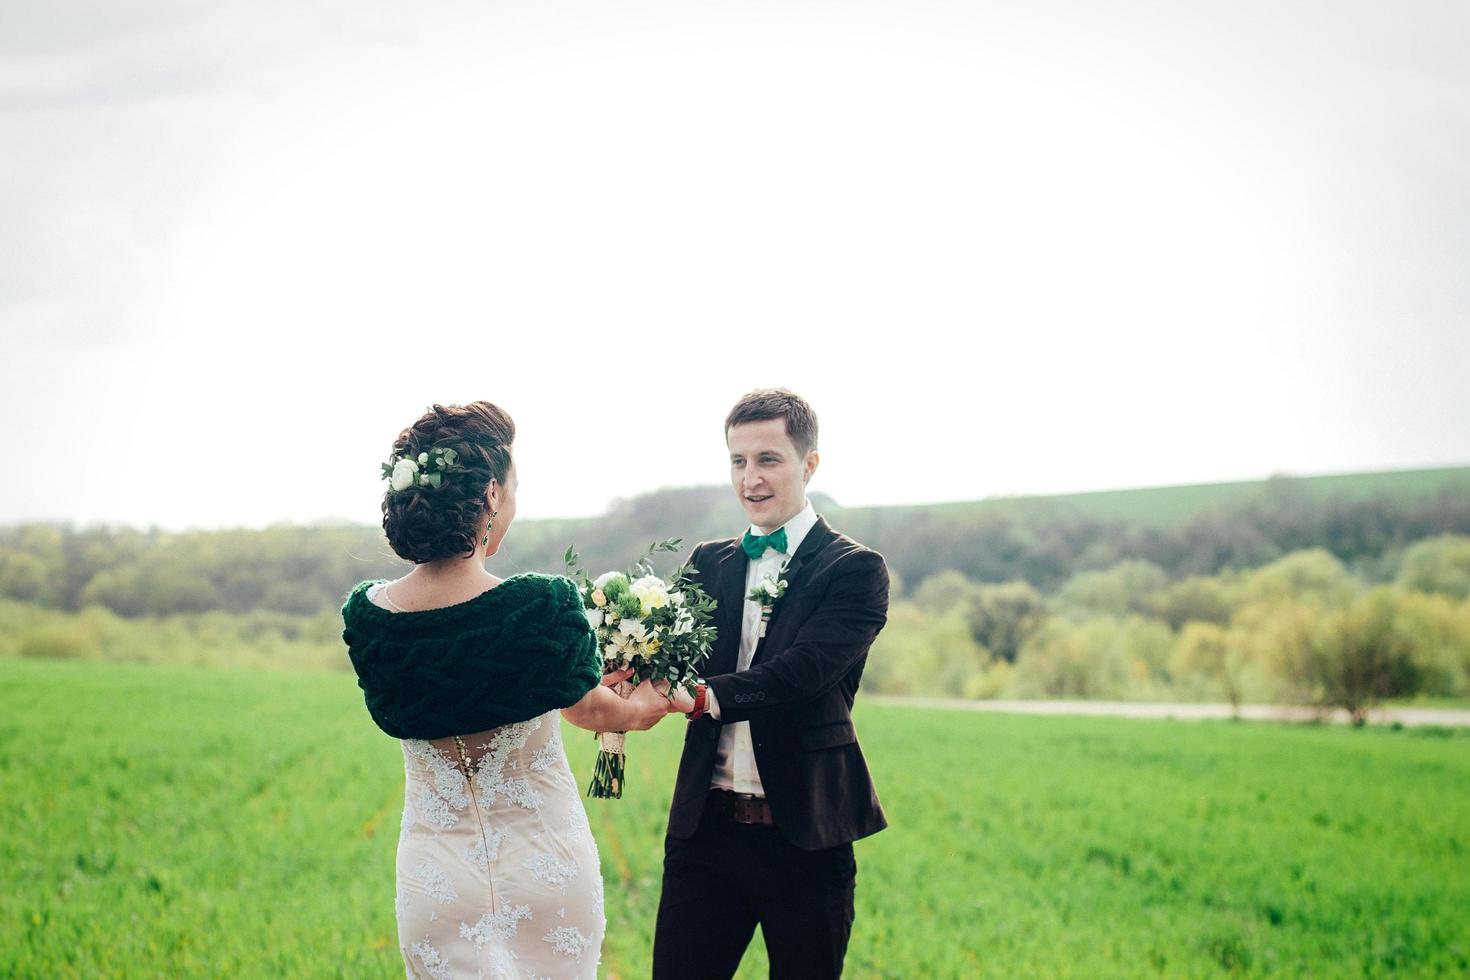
(767, 472)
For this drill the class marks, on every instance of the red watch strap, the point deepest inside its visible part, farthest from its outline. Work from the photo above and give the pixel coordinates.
(699, 702)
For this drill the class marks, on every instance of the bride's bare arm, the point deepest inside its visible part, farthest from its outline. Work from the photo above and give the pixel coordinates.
(601, 710)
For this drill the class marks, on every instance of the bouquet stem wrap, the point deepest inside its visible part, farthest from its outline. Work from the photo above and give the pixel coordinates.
(607, 775)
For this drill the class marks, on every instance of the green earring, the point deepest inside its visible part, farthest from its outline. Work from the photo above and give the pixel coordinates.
(488, 525)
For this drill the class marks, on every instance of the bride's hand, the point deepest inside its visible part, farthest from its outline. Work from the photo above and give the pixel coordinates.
(608, 680)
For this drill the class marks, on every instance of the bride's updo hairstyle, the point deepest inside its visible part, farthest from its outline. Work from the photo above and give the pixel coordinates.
(427, 523)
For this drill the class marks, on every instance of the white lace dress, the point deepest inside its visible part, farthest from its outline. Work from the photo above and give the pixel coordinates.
(498, 874)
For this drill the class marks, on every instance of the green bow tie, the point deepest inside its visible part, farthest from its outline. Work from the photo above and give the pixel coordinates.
(755, 545)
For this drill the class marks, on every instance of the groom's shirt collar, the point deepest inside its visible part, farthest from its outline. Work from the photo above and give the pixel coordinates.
(796, 528)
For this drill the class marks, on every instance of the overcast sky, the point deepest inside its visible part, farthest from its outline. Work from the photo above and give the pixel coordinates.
(1021, 247)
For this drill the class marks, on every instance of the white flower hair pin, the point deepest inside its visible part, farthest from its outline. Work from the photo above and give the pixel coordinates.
(425, 470)
(766, 592)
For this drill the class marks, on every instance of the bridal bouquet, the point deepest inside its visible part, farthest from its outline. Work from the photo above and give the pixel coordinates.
(659, 628)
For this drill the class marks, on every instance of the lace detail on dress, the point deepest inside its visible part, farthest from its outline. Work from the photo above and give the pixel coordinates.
(501, 925)
(545, 757)
(486, 849)
(405, 823)
(433, 809)
(502, 965)
(519, 792)
(578, 827)
(449, 781)
(550, 869)
(495, 836)
(567, 941)
(490, 772)
(433, 962)
(436, 885)
(437, 804)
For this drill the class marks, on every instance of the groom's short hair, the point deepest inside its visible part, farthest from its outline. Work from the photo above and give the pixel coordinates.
(777, 403)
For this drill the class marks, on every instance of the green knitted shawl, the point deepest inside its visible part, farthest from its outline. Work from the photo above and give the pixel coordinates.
(509, 654)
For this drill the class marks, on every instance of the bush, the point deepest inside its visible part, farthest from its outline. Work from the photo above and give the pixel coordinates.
(991, 682)
(1000, 616)
(1095, 658)
(1313, 575)
(266, 639)
(1122, 589)
(69, 641)
(1360, 656)
(1277, 634)
(1003, 617)
(1209, 651)
(1439, 632)
(943, 591)
(22, 576)
(924, 654)
(1196, 599)
(1440, 564)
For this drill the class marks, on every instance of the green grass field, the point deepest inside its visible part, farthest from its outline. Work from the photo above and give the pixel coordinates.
(159, 821)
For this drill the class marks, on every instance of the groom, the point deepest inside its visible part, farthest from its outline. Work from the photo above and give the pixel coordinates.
(772, 787)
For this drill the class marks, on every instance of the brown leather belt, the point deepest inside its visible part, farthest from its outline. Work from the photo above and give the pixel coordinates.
(741, 807)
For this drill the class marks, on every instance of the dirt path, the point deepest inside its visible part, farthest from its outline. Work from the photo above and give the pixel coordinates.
(1187, 712)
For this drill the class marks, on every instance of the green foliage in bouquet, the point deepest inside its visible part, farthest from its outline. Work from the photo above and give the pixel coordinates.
(661, 629)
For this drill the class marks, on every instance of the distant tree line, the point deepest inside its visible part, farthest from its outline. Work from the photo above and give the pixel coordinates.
(1302, 629)
(304, 569)
(1045, 545)
(1282, 597)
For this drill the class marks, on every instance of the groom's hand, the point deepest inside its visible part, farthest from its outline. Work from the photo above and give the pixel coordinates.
(682, 701)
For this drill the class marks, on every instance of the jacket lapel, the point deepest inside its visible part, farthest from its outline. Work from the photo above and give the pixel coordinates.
(816, 539)
(731, 599)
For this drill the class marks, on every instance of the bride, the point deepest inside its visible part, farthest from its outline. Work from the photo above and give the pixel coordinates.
(497, 870)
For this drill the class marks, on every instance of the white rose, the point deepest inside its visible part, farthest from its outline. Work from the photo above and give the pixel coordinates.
(403, 473)
(423, 459)
(651, 582)
(424, 480)
(602, 580)
(770, 584)
(594, 618)
(651, 593)
(633, 629)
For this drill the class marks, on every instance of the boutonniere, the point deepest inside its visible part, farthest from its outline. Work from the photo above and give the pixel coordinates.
(766, 592)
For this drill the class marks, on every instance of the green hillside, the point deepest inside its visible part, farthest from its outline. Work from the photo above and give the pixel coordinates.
(1163, 507)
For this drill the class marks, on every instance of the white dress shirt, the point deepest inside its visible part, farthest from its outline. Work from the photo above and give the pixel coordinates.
(735, 767)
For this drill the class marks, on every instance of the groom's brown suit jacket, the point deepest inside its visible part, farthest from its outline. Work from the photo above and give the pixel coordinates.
(798, 691)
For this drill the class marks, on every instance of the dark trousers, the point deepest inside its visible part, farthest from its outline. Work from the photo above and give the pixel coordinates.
(728, 877)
